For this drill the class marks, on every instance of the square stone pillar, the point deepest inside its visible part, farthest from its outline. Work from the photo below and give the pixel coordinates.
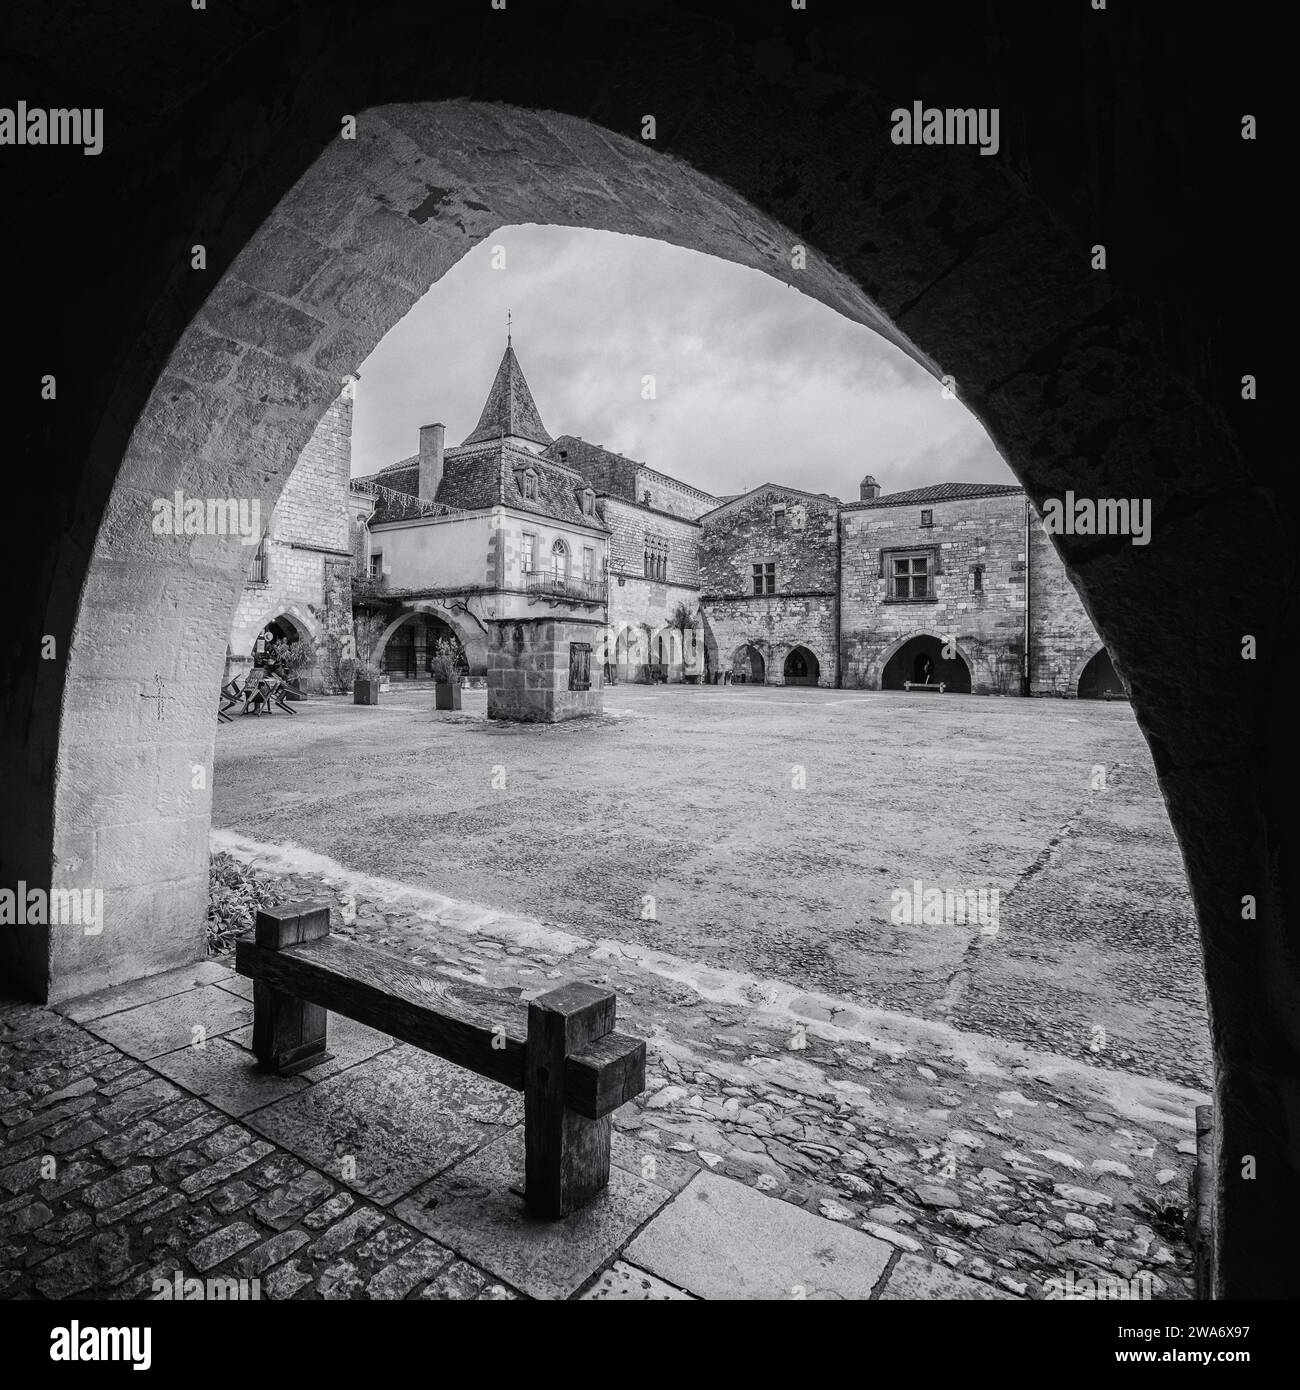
(534, 665)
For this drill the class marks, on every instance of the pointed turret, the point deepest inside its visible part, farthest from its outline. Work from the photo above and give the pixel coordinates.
(510, 412)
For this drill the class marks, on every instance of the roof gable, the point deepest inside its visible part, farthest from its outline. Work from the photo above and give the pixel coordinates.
(758, 495)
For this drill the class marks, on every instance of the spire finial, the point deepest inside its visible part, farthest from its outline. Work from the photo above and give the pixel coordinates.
(508, 322)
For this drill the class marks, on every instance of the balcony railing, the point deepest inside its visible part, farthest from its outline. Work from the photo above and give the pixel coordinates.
(564, 586)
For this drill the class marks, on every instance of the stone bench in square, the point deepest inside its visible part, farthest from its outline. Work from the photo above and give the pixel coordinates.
(925, 685)
(561, 1049)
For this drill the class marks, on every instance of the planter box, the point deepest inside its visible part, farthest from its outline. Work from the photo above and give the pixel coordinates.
(446, 696)
(365, 692)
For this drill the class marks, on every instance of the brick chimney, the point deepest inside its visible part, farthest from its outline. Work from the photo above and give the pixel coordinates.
(431, 437)
(869, 489)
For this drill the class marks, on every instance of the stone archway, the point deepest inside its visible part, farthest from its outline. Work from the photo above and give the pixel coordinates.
(920, 660)
(472, 640)
(301, 635)
(1099, 680)
(748, 665)
(801, 667)
(406, 651)
(979, 264)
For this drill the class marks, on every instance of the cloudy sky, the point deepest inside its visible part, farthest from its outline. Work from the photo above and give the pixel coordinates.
(754, 381)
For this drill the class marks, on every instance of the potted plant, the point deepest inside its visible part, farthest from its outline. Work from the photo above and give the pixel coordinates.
(366, 676)
(446, 683)
(365, 684)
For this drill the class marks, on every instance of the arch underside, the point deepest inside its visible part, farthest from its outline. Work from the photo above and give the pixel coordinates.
(1011, 311)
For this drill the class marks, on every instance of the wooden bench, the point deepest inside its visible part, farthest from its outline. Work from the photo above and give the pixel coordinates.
(561, 1050)
(924, 685)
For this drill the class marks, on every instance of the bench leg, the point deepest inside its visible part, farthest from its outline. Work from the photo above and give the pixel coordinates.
(288, 1033)
(566, 1160)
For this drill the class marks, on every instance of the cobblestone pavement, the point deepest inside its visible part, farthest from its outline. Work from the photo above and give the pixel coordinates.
(984, 1170)
(148, 1181)
(1010, 1166)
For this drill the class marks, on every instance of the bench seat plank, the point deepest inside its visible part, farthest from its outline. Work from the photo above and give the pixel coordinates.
(450, 1018)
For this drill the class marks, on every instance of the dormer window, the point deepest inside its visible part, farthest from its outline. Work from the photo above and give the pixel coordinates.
(588, 501)
(530, 485)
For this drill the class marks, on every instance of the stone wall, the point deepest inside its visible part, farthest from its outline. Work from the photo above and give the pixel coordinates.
(802, 544)
(639, 634)
(528, 669)
(309, 540)
(665, 494)
(1062, 637)
(630, 526)
(775, 627)
(987, 623)
(640, 608)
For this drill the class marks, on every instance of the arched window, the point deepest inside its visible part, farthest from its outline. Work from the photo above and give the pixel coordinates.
(560, 560)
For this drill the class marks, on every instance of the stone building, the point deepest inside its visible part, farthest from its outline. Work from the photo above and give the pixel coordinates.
(947, 584)
(654, 570)
(769, 576)
(550, 567)
(497, 543)
(298, 586)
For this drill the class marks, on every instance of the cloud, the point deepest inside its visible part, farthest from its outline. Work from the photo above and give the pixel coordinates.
(754, 381)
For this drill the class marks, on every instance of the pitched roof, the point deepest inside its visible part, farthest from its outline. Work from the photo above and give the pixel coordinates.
(607, 471)
(757, 493)
(510, 408)
(939, 492)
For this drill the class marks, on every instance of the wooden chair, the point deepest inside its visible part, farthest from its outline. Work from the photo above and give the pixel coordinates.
(256, 696)
(280, 692)
(231, 694)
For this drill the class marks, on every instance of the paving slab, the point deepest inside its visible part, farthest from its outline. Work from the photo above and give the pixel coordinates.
(915, 1278)
(113, 1001)
(402, 1117)
(347, 1042)
(477, 1209)
(226, 1076)
(625, 1283)
(166, 1025)
(721, 1239)
(651, 1163)
(236, 984)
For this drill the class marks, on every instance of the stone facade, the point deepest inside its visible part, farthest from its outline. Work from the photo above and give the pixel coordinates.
(1062, 638)
(499, 540)
(653, 567)
(933, 589)
(301, 572)
(784, 543)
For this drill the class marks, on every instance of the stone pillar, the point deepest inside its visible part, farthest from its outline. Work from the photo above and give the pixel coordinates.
(529, 663)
